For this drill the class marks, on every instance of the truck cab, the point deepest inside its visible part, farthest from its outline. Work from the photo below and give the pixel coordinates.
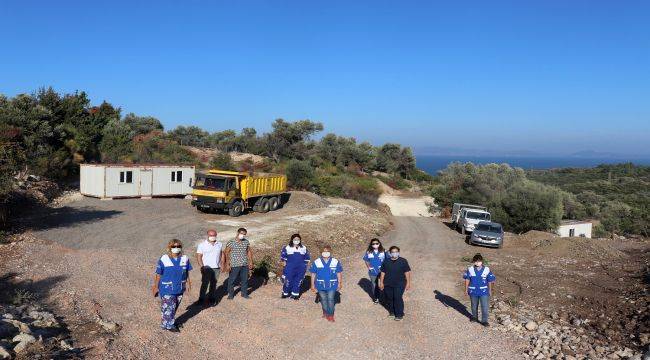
(469, 218)
(214, 191)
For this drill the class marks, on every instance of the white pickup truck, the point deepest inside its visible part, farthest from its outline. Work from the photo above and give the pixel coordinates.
(469, 218)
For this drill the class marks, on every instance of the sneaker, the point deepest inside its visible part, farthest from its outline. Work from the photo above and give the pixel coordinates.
(485, 324)
(174, 330)
(284, 296)
(391, 315)
(398, 318)
(376, 301)
(472, 320)
(246, 297)
(230, 297)
(330, 318)
(295, 297)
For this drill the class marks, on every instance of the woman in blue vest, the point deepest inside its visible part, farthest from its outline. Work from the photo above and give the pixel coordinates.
(326, 279)
(171, 281)
(294, 258)
(374, 257)
(478, 285)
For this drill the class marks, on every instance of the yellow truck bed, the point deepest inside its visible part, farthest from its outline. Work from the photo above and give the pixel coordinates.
(258, 184)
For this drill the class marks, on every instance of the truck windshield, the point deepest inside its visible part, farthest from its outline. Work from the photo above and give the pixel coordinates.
(210, 183)
(478, 216)
(489, 228)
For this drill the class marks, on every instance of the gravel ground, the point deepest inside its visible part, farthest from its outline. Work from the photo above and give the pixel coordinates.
(111, 274)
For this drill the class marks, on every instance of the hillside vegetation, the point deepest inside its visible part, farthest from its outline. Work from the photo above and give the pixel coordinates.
(50, 134)
(617, 195)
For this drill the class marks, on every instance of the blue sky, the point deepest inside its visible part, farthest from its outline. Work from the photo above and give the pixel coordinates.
(545, 76)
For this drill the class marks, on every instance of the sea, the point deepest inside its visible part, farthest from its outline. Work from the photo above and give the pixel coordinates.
(434, 163)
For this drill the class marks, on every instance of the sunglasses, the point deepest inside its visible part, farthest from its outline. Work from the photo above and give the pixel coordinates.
(375, 243)
(176, 247)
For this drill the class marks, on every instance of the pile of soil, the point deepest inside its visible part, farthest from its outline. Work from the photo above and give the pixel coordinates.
(303, 200)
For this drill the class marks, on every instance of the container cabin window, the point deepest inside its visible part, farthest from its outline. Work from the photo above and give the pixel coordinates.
(126, 177)
(177, 176)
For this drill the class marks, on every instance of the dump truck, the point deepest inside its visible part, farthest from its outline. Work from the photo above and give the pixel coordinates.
(235, 192)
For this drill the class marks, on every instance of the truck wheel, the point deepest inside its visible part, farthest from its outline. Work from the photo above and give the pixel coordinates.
(236, 209)
(274, 203)
(200, 209)
(264, 206)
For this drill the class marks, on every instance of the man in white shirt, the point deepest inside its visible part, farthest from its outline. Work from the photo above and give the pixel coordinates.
(210, 259)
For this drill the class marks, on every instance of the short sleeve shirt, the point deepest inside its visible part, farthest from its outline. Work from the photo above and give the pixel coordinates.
(210, 253)
(395, 271)
(238, 251)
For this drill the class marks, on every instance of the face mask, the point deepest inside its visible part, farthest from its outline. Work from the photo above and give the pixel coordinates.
(296, 241)
(212, 238)
(478, 264)
(394, 255)
(375, 246)
(241, 236)
(326, 254)
(176, 250)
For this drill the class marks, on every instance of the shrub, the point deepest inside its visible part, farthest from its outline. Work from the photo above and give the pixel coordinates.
(300, 174)
(222, 161)
(529, 206)
(362, 189)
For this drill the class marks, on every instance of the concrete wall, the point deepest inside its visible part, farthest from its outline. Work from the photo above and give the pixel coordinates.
(581, 229)
(91, 180)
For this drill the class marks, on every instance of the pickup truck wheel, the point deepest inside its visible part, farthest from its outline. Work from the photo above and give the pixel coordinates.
(236, 209)
(264, 206)
(274, 203)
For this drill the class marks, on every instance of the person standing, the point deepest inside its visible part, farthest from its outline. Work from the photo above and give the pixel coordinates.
(395, 278)
(374, 257)
(171, 281)
(478, 286)
(210, 259)
(326, 279)
(238, 261)
(294, 258)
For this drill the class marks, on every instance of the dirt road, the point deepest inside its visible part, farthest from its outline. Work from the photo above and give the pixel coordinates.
(436, 325)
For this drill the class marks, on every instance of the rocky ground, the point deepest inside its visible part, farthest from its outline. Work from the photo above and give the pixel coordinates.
(573, 297)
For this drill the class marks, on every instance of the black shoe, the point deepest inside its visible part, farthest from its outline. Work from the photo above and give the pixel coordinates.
(485, 324)
(391, 315)
(284, 296)
(472, 320)
(376, 301)
(398, 318)
(246, 297)
(174, 330)
(295, 297)
(230, 297)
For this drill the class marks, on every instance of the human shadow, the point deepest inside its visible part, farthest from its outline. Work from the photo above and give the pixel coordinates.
(366, 285)
(305, 285)
(451, 302)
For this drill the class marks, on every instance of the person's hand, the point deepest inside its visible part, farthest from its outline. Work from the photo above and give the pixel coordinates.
(381, 286)
(202, 269)
(340, 287)
(313, 289)
(154, 290)
(408, 287)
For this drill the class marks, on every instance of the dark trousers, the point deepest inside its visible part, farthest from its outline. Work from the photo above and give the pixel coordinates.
(209, 280)
(394, 299)
(242, 273)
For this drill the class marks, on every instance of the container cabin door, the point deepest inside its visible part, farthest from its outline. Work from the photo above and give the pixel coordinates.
(146, 181)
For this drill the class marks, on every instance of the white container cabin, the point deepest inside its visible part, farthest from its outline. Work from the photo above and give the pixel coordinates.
(574, 228)
(111, 181)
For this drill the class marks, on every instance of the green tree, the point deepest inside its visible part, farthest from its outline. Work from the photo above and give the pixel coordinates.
(528, 206)
(117, 141)
(190, 136)
(300, 174)
(290, 140)
(142, 125)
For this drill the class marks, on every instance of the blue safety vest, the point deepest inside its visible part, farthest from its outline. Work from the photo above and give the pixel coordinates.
(478, 280)
(295, 258)
(375, 258)
(326, 273)
(173, 274)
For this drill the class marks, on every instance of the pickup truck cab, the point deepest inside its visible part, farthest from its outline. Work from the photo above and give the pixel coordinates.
(469, 218)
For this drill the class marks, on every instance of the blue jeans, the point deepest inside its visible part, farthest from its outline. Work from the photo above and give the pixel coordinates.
(242, 273)
(375, 288)
(327, 301)
(394, 300)
(484, 300)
